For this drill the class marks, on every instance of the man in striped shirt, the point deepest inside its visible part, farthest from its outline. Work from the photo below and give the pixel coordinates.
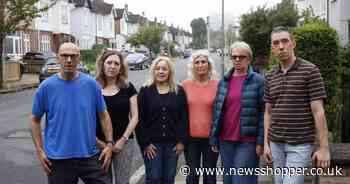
(294, 112)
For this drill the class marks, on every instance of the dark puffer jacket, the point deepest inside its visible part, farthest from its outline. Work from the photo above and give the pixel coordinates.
(252, 107)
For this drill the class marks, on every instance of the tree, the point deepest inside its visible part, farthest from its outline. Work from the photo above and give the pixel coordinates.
(16, 14)
(257, 25)
(199, 33)
(150, 36)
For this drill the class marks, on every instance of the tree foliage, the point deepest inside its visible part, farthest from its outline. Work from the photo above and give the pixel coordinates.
(16, 14)
(257, 25)
(199, 33)
(149, 36)
(319, 44)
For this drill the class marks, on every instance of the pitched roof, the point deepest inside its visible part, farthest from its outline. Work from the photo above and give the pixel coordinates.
(134, 19)
(100, 7)
(119, 13)
(81, 3)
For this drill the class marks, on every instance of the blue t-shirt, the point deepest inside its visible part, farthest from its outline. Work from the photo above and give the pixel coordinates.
(70, 108)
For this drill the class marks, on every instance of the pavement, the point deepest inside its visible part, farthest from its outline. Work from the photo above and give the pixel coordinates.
(27, 81)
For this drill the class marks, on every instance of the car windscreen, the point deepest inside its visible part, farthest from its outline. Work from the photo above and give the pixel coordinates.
(52, 61)
(135, 57)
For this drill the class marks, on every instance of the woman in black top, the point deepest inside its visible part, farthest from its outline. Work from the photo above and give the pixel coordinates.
(121, 100)
(162, 131)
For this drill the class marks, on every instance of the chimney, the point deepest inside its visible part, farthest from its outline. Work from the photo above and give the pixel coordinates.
(126, 8)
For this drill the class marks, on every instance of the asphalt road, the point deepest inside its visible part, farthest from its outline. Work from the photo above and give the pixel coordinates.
(18, 159)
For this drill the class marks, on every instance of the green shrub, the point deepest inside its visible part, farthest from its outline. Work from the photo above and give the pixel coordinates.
(89, 56)
(319, 44)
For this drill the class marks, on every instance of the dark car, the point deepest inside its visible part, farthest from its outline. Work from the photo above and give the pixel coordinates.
(52, 66)
(34, 61)
(137, 61)
(187, 53)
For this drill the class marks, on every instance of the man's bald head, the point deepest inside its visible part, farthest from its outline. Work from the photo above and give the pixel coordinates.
(69, 48)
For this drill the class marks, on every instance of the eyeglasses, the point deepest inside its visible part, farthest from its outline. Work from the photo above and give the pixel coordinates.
(239, 57)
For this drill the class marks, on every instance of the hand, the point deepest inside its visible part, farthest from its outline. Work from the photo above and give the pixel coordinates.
(179, 148)
(118, 146)
(45, 162)
(322, 158)
(215, 149)
(106, 156)
(259, 150)
(268, 154)
(150, 151)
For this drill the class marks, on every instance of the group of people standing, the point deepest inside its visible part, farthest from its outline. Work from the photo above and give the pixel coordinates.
(90, 123)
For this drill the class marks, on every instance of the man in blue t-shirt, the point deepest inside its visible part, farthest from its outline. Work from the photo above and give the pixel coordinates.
(71, 101)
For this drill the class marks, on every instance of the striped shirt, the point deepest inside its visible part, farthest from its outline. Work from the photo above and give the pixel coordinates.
(290, 95)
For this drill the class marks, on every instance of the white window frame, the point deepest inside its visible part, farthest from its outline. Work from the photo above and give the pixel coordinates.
(45, 43)
(26, 42)
(44, 15)
(16, 46)
(64, 14)
(99, 22)
(86, 19)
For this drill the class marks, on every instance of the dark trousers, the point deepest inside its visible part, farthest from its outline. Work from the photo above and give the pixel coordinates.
(162, 168)
(68, 171)
(199, 151)
(237, 155)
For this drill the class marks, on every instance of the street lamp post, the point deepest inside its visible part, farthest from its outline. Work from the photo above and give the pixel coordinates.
(224, 39)
(208, 34)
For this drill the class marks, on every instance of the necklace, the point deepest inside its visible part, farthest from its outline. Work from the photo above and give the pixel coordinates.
(110, 90)
(163, 89)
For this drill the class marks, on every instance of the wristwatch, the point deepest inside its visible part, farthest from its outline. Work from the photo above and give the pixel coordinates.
(110, 143)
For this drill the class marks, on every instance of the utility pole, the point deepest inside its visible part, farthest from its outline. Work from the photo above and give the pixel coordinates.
(224, 39)
(208, 34)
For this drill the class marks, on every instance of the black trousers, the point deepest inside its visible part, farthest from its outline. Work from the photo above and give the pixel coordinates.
(198, 154)
(68, 171)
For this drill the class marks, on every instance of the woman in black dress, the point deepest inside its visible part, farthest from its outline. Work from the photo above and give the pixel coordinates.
(121, 100)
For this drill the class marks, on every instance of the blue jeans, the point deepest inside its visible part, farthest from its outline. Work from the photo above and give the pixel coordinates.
(199, 151)
(286, 155)
(162, 168)
(238, 155)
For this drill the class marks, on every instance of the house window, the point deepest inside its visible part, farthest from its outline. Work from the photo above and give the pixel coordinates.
(86, 19)
(45, 14)
(111, 24)
(13, 45)
(26, 41)
(45, 43)
(64, 14)
(99, 22)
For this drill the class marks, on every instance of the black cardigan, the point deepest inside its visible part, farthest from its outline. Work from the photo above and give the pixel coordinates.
(161, 121)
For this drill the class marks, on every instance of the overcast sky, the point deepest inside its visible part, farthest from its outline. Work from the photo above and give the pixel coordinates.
(182, 12)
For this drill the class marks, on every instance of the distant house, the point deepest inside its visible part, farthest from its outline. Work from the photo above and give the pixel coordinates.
(121, 27)
(335, 12)
(37, 36)
(84, 21)
(104, 22)
(339, 19)
(61, 23)
(134, 21)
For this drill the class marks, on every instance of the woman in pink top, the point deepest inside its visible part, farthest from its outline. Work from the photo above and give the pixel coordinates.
(200, 88)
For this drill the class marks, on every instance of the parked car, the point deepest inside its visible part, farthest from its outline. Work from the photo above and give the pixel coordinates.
(187, 53)
(52, 66)
(34, 61)
(137, 61)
